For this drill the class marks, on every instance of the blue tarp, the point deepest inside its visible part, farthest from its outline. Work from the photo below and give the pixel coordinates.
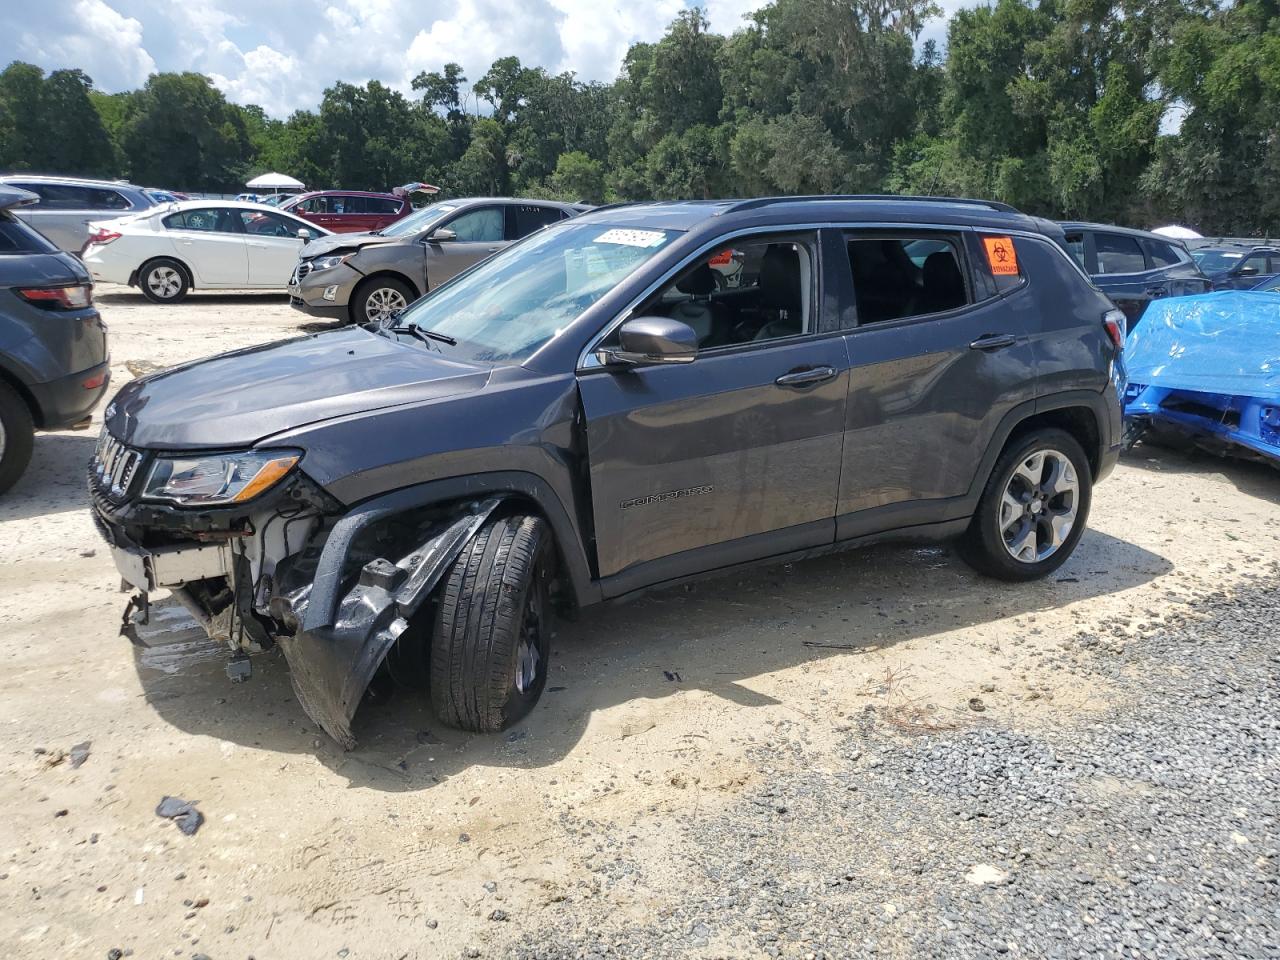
(1224, 343)
(1209, 367)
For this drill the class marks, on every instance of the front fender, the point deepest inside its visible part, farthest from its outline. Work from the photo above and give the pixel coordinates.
(337, 648)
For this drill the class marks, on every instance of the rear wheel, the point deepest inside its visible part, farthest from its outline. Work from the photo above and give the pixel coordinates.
(380, 299)
(163, 281)
(491, 644)
(17, 435)
(1033, 510)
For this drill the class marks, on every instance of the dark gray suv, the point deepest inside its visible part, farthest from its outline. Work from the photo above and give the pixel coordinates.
(369, 277)
(53, 344)
(636, 396)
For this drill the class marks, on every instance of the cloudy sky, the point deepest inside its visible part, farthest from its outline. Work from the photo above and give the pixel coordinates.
(283, 53)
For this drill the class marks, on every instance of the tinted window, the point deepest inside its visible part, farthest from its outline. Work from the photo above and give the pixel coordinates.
(350, 205)
(1215, 261)
(755, 289)
(1163, 254)
(1118, 254)
(529, 218)
(207, 220)
(479, 226)
(314, 205)
(382, 205)
(889, 285)
(17, 237)
(268, 224)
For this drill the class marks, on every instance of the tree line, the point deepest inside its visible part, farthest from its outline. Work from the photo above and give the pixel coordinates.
(1137, 111)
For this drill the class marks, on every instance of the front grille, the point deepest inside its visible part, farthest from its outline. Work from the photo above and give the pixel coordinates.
(114, 465)
(300, 271)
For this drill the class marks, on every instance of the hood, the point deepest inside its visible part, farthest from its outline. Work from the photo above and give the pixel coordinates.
(239, 398)
(344, 241)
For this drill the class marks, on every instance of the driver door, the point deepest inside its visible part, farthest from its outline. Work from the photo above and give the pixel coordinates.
(273, 246)
(736, 455)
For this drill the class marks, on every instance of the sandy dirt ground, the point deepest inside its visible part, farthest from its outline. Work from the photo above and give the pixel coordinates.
(406, 847)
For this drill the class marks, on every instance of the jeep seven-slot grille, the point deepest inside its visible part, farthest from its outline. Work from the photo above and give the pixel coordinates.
(114, 465)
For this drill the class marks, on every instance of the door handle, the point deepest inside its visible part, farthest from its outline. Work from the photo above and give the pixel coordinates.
(806, 377)
(994, 341)
(1156, 291)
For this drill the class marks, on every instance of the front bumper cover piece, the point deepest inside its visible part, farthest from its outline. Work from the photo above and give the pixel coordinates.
(334, 655)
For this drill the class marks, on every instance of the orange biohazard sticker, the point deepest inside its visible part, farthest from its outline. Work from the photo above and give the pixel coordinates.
(721, 259)
(1001, 256)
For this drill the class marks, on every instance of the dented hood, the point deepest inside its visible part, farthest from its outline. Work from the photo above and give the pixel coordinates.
(239, 398)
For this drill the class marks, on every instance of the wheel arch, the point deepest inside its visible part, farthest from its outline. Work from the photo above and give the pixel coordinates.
(394, 274)
(13, 381)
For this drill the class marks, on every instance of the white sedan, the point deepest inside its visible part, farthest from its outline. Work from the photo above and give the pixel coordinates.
(210, 244)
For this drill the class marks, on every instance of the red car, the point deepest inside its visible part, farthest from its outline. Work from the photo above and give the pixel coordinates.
(348, 211)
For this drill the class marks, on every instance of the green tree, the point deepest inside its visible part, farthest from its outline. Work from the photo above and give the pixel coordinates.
(579, 177)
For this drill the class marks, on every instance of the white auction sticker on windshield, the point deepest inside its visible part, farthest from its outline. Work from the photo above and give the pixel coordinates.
(632, 238)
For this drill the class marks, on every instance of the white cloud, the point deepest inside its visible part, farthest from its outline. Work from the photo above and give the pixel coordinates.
(89, 35)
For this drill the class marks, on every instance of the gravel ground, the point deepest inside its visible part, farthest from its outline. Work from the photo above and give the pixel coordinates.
(1150, 831)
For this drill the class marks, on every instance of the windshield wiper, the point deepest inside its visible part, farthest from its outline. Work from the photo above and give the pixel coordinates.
(424, 335)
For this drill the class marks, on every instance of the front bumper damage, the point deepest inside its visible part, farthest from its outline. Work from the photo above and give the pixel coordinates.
(334, 653)
(294, 571)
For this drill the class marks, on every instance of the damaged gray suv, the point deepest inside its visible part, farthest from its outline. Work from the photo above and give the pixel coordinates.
(622, 401)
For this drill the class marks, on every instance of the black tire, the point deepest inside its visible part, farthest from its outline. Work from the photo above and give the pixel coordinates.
(365, 301)
(17, 435)
(983, 544)
(494, 599)
(164, 280)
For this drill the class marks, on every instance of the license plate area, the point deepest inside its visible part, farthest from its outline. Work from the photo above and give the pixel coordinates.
(172, 567)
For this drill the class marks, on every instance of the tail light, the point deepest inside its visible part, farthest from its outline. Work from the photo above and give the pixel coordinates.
(59, 298)
(101, 235)
(1113, 321)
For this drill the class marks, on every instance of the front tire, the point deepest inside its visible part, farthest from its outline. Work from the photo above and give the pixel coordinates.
(490, 645)
(164, 281)
(1033, 509)
(380, 299)
(17, 436)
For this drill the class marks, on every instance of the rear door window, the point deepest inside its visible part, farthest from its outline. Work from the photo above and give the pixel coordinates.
(889, 284)
(526, 218)
(1254, 266)
(207, 220)
(382, 205)
(1119, 254)
(1163, 254)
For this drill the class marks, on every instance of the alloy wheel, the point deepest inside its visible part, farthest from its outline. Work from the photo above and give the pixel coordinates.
(384, 303)
(528, 649)
(164, 282)
(1039, 506)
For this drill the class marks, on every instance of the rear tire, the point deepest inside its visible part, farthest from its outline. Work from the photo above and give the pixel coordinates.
(1033, 509)
(17, 436)
(490, 645)
(377, 300)
(164, 281)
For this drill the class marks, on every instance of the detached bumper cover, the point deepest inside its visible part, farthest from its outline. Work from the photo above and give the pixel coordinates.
(1208, 367)
(333, 655)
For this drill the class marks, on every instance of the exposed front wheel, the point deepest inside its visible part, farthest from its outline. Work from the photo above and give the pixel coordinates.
(17, 434)
(163, 281)
(491, 639)
(380, 299)
(1033, 509)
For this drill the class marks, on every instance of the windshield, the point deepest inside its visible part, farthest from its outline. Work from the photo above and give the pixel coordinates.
(510, 305)
(418, 220)
(1215, 261)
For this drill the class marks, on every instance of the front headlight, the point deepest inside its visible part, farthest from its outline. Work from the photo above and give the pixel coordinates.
(328, 263)
(217, 479)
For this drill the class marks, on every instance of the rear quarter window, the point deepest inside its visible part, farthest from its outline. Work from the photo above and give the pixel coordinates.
(998, 263)
(16, 238)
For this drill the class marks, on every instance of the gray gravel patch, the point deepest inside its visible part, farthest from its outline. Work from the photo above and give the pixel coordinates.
(1150, 832)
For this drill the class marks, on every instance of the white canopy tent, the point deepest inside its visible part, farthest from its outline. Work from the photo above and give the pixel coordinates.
(1178, 233)
(274, 181)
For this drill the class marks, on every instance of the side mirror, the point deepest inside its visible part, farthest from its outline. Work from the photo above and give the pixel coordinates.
(304, 234)
(1248, 271)
(442, 235)
(651, 340)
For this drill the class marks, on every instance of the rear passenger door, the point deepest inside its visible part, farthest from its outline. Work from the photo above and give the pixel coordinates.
(524, 218)
(941, 352)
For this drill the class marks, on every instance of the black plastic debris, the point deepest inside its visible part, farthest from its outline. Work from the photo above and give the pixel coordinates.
(672, 676)
(79, 754)
(186, 816)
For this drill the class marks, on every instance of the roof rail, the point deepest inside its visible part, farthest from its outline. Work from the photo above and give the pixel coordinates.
(769, 201)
